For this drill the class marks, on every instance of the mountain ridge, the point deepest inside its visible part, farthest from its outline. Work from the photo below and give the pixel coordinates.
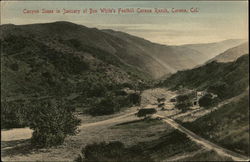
(232, 54)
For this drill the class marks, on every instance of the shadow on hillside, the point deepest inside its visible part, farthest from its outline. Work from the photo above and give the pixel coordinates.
(17, 147)
(129, 122)
(146, 120)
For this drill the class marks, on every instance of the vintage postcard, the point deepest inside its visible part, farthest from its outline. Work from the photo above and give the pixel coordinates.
(124, 81)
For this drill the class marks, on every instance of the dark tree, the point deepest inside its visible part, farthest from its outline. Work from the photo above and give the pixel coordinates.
(52, 122)
(206, 100)
(183, 102)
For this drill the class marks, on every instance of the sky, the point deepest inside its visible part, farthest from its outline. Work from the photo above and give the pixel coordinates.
(214, 21)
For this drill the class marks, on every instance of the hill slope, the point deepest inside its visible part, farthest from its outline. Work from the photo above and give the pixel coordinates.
(225, 79)
(60, 58)
(210, 50)
(153, 59)
(232, 54)
(228, 126)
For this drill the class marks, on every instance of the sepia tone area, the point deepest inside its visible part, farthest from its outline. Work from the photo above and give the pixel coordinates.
(71, 92)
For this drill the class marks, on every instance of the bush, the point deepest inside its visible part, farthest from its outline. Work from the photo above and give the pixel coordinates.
(220, 88)
(206, 101)
(13, 115)
(105, 106)
(111, 152)
(52, 122)
(184, 102)
(135, 98)
(112, 103)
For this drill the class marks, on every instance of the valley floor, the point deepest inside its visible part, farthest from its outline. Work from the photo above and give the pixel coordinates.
(124, 127)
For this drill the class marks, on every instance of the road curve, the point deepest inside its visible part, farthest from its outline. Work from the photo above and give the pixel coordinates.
(26, 133)
(104, 122)
(207, 144)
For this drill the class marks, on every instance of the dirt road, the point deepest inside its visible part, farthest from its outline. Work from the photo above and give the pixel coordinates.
(207, 144)
(26, 133)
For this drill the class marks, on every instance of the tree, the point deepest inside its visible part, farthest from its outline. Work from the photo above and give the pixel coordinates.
(206, 100)
(51, 122)
(183, 102)
(220, 88)
(135, 98)
(146, 112)
(105, 106)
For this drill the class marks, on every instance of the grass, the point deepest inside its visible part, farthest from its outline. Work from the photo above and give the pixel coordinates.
(224, 79)
(139, 124)
(169, 145)
(207, 156)
(228, 126)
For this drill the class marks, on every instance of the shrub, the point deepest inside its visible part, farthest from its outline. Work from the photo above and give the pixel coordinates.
(206, 101)
(13, 115)
(135, 98)
(51, 122)
(111, 152)
(105, 106)
(184, 102)
(112, 103)
(220, 88)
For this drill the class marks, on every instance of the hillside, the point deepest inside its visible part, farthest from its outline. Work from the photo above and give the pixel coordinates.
(232, 54)
(85, 67)
(55, 61)
(225, 79)
(228, 126)
(210, 50)
(153, 59)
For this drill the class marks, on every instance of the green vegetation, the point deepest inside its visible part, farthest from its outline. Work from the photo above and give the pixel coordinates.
(184, 102)
(46, 66)
(112, 152)
(207, 156)
(224, 79)
(228, 126)
(112, 103)
(207, 101)
(146, 112)
(139, 124)
(51, 122)
(169, 145)
(13, 115)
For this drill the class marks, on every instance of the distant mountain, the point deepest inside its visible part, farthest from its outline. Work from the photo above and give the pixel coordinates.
(151, 59)
(64, 58)
(232, 54)
(210, 50)
(224, 79)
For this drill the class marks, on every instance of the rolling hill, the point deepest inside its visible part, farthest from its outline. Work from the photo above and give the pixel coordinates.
(82, 66)
(210, 50)
(232, 54)
(224, 79)
(227, 126)
(64, 58)
(150, 58)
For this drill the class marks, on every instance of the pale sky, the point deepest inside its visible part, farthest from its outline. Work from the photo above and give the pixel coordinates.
(214, 22)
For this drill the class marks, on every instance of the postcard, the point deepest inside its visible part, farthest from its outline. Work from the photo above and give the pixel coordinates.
(116, 81)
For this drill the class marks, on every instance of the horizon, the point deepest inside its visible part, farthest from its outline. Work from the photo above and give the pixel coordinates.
(129, 34)
(215, 21)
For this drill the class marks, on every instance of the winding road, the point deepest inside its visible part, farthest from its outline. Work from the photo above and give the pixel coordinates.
(207, 144)
(26, 133)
